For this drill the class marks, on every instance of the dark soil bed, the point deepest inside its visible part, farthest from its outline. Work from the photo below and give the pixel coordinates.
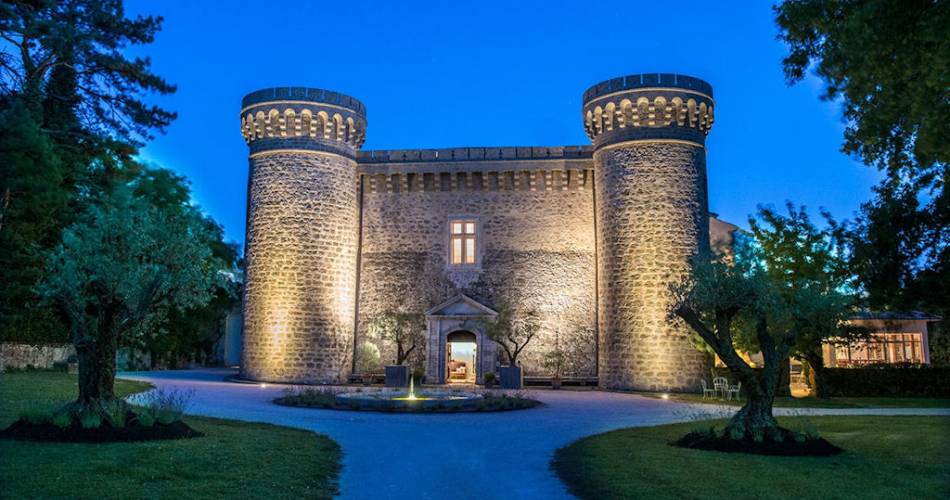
(25, 431)
(789, 446)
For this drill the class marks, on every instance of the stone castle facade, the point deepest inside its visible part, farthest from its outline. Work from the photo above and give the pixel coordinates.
(588, 236)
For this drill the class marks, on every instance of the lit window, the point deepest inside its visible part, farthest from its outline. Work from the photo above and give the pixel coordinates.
(881, 348)
(463, 242)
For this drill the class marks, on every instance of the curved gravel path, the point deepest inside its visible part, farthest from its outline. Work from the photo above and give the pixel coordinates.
(465, 455)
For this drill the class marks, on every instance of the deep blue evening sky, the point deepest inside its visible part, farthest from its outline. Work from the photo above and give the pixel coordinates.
(482, 73)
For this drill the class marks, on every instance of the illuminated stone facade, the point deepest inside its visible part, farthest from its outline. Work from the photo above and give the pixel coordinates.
(590, 237)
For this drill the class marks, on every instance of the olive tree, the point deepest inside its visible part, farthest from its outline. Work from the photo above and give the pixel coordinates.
(118, 271)
(513, 329)
(737, 307)
(402, 329)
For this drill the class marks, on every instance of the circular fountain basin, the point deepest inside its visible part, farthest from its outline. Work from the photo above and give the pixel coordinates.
(399, 399)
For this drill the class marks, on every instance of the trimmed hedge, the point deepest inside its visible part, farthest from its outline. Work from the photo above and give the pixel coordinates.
(884, 380)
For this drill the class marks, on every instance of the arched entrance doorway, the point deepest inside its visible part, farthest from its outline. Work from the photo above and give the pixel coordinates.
(457, 321)
(461, 357)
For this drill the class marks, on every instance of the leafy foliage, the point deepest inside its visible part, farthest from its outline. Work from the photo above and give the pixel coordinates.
(777, 296)
(128, 255)
(795, 254)
(164, 406)
(403, 329)
(72, 117)
(33, 208)
(188, 333)
(512, 329)
(900, 253)
(85, 41)
(366, 358)
(887, 60)
(118, 272)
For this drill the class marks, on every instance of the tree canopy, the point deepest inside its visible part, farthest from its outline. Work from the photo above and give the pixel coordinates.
(513, 329)
(889, 63)
(780, 295)
(78, 47)
(118, 272)
(403, 329)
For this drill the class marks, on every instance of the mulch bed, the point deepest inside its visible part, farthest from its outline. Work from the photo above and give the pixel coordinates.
(22, 430)
(788, 447)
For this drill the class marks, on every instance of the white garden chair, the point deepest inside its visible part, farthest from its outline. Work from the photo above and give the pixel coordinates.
(721, 385)
(734, 389)
(707, 391)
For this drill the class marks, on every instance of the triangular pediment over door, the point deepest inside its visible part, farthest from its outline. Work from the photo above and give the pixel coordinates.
(461, 305)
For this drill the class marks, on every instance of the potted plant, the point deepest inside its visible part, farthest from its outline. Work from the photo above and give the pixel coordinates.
(512, 330)
(404, 330)
(554, 360)
(489, 380)
(367, 361)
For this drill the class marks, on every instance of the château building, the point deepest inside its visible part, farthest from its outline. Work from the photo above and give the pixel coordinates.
(589, 236)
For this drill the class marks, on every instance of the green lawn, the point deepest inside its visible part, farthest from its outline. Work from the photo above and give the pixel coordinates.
(885, 457)
(808, 402)
(234, 459)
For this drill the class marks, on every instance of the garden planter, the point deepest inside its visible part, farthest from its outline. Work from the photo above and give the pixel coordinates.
(397, 376)
(556, 382)
(512, 377)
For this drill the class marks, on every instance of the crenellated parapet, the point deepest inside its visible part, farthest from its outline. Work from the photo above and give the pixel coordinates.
(650, 106)
(303, 118)
(534, 180)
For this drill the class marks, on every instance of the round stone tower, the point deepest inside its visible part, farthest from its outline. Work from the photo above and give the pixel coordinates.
(649, 133)
(302, 231)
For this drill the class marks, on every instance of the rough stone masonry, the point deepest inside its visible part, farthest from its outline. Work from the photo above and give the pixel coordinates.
(588, 236)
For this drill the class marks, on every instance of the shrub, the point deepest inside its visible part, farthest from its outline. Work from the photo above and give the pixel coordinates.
(89, 419)
(167, 406)
(775, 435)
(62, 420)
(35, 417)
(807, 430)
(145, 419)
(115, 412)
(887, 380)
(736, 434)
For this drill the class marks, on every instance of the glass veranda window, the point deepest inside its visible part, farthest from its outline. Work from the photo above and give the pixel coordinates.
(463, 242)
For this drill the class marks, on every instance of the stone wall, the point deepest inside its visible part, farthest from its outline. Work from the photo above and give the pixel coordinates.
(42, 356)
(301, 267)
(652, 218)
(536, 247)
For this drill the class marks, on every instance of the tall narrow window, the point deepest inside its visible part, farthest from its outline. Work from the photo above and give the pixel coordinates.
(462, 242)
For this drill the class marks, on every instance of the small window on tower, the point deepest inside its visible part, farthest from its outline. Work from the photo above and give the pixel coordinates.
(463, 244)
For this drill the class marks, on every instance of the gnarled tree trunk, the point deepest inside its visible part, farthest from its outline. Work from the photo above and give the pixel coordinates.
(95, 353)
(816, 366)
(96, 369)
(755, 416)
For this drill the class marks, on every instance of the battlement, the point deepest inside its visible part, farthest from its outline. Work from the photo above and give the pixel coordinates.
(651, 107)
(304, 94)
(474, 154)
(303, 118)
(648, 80)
